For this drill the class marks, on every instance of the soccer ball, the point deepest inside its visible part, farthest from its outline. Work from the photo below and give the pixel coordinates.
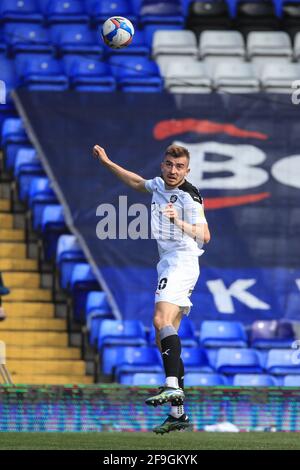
(117, 32)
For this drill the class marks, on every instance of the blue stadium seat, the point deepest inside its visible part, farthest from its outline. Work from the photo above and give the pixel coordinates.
(291, 381)
(283, 362)
(27, 167)
(62, 11)
(214, 334)
(75, 39)
(137, 359)
(8, 82)
(89, 74)
(40, 72)
(28, 38)
(146, 378)
(97, 309)
(238, 361)
(195, 360)
(118, 332)
(68, 254)
(167, 12)
(136, 74)
(53, 225)
(19, 10)
(13, 138)
(139, 46)
(192, 379)
(40, 195)
(254, 380)
(101, 11)
(271, 334)
(109, 358)
(83, 280)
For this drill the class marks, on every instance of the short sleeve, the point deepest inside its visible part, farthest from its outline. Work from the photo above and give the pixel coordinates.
(195, 213)
(151, 185)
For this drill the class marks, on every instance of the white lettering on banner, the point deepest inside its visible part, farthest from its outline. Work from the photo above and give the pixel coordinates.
(241, 163)
(2, 92)
(298, 283)
(287, 171)
(223, 295)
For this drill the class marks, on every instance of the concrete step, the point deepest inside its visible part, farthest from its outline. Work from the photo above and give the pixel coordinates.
(28, 309)
(6, 220)
(32, 324)
(7, 235)
(4, 205)
(31, 295)
(13, 250)
(51, 379)
(21, 279)
(21, 353)
(34, 338)
(44, 367)
(11, 264)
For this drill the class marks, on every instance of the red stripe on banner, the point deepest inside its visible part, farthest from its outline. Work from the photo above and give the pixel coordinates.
(220, 202)
(165, 129)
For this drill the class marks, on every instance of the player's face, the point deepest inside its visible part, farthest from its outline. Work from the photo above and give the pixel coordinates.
(174, 170)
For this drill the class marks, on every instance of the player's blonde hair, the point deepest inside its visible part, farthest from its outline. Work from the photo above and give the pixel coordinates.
(177, 151)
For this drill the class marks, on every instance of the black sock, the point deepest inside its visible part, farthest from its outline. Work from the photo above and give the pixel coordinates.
(171, 350)
(181, 374)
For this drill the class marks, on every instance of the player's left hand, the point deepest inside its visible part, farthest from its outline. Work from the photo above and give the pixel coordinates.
(170, 212)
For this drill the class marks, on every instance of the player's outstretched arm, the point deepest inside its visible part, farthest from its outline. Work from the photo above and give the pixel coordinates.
(128, 177)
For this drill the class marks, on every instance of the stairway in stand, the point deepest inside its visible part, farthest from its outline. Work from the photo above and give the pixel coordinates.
(37, 350)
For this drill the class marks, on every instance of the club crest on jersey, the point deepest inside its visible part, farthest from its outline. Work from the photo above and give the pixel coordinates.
(173, 198)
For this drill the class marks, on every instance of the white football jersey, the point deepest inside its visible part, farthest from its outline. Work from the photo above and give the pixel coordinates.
(189, 205)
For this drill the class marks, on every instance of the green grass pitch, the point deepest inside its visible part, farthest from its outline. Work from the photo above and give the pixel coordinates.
(149, 441)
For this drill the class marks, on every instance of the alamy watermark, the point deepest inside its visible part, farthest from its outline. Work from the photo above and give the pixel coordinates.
(2, 92)
(296, 92)
(123, 221)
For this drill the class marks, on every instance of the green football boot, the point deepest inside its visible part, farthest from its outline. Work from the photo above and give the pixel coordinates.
(165, 395)
(173, 424)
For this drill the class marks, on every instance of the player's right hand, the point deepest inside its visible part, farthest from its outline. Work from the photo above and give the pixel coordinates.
(100, 154)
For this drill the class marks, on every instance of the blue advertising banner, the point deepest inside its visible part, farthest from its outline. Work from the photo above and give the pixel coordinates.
(245, 160)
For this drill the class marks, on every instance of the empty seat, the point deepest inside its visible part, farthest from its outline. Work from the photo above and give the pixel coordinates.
(290, 13)
(278, 77)
(104, 9)
(136, 74)
(201, 379)
(255, 15)
(164, 62)
(61, 11)
(40, 72)
(118, 332)
(269, 43)
(271, 334)
(8, 82)
(235, 77)
(187, 77)
(53, 225)
(238, 361)
(68, 254)
(283, 362)
(291, 381)
(13, 138)
(139, 46)
(97, 309)
(166, 12)
(75, 39)
(89, 74)
(195, 360)
(297, 42)
(254, 380)
(221, 43)
(214, 334)
(19, 10)
(27, 167)
(27, 37)
(83, 281)
(148, 378)
(208, 15)
(40, 195)
(137, 359)
(174, 42)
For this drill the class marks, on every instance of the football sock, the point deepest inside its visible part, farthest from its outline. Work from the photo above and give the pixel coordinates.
(171, 349)
(177, 411)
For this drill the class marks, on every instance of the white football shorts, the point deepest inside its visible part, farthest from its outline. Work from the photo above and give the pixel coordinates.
(177, 277)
